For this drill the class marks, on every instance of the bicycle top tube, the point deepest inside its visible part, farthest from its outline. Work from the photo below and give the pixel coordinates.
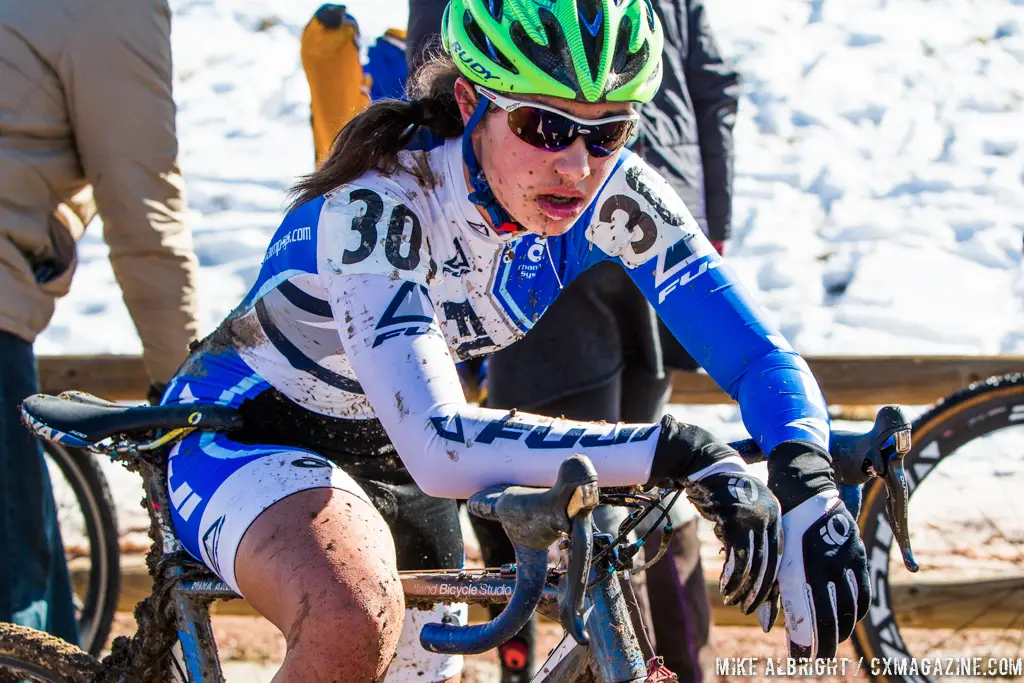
(421, 588)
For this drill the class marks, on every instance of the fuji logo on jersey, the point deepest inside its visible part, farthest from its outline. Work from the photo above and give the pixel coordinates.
(409, 313)
(683, 262)
(539, 435)
(457, 265)
(688, 276)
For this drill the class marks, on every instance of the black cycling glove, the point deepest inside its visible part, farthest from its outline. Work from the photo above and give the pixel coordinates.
(824, 581)
(743, 510)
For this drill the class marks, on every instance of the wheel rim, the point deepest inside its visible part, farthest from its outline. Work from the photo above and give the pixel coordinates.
(79, 512)
(970, 591)
(13, 666)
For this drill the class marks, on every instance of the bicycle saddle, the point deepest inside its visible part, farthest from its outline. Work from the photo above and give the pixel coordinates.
(80, 420)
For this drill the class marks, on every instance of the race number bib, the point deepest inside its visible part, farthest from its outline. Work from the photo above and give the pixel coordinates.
(638, 215)
(370, 231)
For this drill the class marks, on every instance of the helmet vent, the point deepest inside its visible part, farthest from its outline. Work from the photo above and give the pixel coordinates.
(483, 43)
(554, 58)
(591, 16)
(626, 65)
(496, 8)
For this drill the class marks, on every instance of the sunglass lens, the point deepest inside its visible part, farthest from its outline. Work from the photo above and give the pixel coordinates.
(542, 129)
(553, 132)
(608, 138)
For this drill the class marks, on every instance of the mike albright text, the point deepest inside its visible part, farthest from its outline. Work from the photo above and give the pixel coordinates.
(954, 667)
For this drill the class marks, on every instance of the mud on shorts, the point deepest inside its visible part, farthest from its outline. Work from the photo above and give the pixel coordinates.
(218, 487)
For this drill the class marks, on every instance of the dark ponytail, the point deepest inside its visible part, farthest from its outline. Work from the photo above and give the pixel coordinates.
(373, 139)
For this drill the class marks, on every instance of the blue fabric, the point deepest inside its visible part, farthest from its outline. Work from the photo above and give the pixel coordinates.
(724, 330)
(292, 250)
(35, 589)
(717, 322)
(388, 70)
(197, 468)
(214, 376)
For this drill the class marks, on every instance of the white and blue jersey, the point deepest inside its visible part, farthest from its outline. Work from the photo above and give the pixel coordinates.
(369, 295)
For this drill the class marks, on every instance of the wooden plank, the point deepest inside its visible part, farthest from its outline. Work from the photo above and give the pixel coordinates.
(985, 604)
(116, 378)
(919, 605)
(845, 380)
(872, 380)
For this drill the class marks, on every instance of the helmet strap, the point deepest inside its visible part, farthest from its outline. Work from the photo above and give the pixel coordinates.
(482, 195)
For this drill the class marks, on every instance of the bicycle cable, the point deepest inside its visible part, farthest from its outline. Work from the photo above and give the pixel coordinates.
(632, 522)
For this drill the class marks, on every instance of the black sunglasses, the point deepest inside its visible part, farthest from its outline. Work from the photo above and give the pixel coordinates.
(552, 130)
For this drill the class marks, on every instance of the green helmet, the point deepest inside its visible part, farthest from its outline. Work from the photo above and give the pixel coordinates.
(587, 50)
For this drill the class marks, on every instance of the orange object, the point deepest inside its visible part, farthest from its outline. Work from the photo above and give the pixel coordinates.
(337, 86)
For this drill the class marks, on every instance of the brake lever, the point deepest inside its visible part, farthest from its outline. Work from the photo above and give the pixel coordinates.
(898, 496)
(571, 599)
(891, 438)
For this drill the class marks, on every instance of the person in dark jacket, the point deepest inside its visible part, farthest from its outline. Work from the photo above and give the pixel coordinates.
(600, 352)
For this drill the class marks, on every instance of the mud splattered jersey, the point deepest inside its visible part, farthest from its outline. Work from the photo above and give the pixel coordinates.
(368, 296)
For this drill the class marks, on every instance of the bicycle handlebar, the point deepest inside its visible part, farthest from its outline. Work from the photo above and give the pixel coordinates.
(533, 519)
(536, 518)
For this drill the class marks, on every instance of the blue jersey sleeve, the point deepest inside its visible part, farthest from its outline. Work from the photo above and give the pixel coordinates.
(640, 220)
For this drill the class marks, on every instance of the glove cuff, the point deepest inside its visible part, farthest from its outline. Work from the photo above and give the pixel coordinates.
(682, 451)
(797, 471)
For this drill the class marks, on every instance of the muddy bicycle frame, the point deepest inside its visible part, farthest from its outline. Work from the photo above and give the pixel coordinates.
(589, 602)
(613, 652)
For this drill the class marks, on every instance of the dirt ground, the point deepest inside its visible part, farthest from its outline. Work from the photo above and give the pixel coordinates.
(252, 639)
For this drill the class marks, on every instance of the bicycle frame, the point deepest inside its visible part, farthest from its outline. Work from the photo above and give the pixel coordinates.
(613, 653)
(592, 604)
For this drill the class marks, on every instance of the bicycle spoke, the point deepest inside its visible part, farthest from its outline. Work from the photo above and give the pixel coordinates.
(995, 527)
(975, 618)
(181, 673)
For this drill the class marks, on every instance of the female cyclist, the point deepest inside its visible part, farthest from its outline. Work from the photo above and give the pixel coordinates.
(442, 229)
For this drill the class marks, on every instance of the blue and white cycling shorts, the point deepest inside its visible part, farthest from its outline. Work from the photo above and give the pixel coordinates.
(218, 487)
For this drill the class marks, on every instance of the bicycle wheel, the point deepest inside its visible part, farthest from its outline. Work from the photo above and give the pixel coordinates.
(32, 655)
(88, 525)
(964, 474)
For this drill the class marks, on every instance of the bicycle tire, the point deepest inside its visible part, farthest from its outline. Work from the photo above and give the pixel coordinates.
(974, 412)
(92, 492)
(28, 654)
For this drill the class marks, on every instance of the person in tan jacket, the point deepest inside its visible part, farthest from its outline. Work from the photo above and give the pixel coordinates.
(87, 126)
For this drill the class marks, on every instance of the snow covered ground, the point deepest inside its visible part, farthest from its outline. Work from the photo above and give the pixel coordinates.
(879, 190)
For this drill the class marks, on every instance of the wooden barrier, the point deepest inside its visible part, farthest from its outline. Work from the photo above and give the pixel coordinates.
(845, 380)
(937, 604)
